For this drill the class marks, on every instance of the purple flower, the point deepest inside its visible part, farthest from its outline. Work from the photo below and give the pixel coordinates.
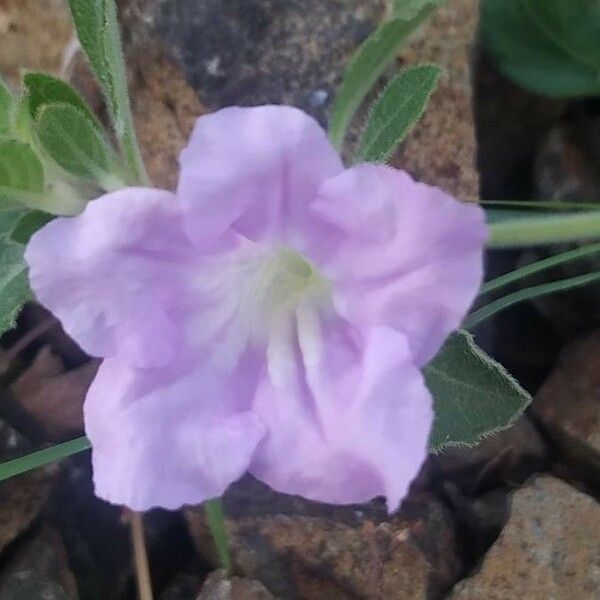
(272, 316)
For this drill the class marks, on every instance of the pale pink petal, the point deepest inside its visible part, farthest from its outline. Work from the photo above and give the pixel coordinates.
(170, 436)
(348, 418)
(255, 169)
(116, 275)
(408, 255)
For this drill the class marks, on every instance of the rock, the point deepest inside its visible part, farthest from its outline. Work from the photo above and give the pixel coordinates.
(568, 406)
(250, 52)
(442, 149)
(33, 35)
(219, 587)
(505, 458)
(550, 548)
(38, 570)
(346, 556)
(22, 497)
(46, 401)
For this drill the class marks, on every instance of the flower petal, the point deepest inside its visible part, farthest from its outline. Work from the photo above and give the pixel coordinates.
(170, 436)
(409, 255)
(115, 274)
(256, 169)
(350, 422)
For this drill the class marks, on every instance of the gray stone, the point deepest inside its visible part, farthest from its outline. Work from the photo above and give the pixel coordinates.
(219, 587)
(550, 549)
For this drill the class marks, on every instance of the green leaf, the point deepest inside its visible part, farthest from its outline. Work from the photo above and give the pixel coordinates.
(14, 286)
(21, 172)
(400, 106)
(6, 107)
(34, 460)
(9, 219)
(98, 31)
(547, 46)
(538, 267)
(474, 396)
(530, 293)
(73, 142)
(366, 67)
(28, 224)
(407, 9)
(42, 89)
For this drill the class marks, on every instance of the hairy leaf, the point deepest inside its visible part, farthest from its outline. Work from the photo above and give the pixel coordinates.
(21, 173)
(71, 140)
(6, 106)
(366, 67)
(398, 109)
(474, 396)
(14, 286)
(98, 31)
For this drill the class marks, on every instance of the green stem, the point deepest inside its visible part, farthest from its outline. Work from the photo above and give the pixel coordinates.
(42, 457)
(216, 522)
(545, 229)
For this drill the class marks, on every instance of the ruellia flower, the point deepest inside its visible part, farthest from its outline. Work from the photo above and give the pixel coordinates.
(270, 317)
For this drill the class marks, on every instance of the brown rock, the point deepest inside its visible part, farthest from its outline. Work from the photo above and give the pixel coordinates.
(219, 587)
(412, 555)
(165, 108)
(550, 548)
(38, 570)
(50, 400)
(22, 497)
(33, 35)
(441, 150)
(568, 405)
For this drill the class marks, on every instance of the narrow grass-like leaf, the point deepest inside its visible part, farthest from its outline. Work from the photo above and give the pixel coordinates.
(98, 31)
(524, 228)
(14, 286)
(530, 293)
(398, 109)
(537, 205)
(21, 172)
(216, 521)
(73, 142)
(366, 67)
(538, 267)
(474, 396)
(34, 460)
(6, 107)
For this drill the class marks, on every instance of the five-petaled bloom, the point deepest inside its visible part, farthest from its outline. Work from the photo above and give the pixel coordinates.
(272, 316)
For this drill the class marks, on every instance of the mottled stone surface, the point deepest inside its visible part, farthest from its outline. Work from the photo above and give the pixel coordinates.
(219, 587)
(33, 35)
(38, 570)
(250, 52)
(568, 406)
(345, 556)
(550, 548)
(442, 148)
